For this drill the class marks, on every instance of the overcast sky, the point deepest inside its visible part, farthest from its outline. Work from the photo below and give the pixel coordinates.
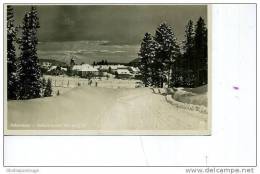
(118, 24)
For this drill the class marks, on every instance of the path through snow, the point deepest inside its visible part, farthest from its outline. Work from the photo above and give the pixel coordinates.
(94, 108)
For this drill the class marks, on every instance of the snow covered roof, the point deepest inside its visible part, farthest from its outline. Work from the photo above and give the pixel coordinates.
(52, 68)
(63, 69)
(113, 67)
(84, 67)
(134, 69)
(123, 71)
(76, 67)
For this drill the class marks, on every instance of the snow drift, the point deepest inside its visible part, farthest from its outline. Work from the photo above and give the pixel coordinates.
(194, 99)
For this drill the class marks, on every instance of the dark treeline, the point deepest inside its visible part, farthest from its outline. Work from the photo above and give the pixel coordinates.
(24, 77)
(105, 62)
(163, 62)
(102, 62)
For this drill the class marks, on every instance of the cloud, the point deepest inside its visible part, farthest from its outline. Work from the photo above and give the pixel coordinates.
(87, 51)
(120, 24)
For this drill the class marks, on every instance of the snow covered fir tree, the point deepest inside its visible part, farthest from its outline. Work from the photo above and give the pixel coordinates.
(165, 62)
(146, 55)
(23, 73)
(12, 76)
(48, 89)
(30, 73)
(200, 53)
(187, 60)
(167, 51)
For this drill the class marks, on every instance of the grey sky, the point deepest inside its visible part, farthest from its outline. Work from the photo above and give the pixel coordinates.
(115, 23)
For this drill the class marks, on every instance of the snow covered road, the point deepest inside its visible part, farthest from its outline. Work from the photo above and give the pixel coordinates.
(94, 108)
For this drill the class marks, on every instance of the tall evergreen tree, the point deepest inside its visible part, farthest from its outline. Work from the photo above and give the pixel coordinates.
(167, 51)
(176, 56)
(12, 77)
(48, 89)
(188, 61)
(188, 45)
(146, 55)
(201, 52)
(30, 69)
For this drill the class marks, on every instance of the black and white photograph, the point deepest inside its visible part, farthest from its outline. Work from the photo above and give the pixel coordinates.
(107, 69)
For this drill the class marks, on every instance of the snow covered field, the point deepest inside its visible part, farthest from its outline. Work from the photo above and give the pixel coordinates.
(103, 109)
(65, 83)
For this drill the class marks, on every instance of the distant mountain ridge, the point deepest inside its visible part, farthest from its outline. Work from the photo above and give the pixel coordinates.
(134, 62)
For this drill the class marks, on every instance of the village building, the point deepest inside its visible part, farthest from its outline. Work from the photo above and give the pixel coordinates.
(56, 70)
(85, 70)
(123, 73)
(110, 68)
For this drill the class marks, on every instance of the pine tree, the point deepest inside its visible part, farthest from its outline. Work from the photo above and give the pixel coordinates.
(167, 51)
(188, 44)
(176, 55)
(48, 89)
(146, 55)
(201, 53)
(12, 77)
(30, 69)
(188, 62)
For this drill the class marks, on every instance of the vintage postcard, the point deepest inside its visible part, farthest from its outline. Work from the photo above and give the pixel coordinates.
(107, 69)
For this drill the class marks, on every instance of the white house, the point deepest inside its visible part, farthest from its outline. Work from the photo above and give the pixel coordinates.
(85, 70)
(120, 66)
(123, 73)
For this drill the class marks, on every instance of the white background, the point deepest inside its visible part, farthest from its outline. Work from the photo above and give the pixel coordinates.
(232, 142)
